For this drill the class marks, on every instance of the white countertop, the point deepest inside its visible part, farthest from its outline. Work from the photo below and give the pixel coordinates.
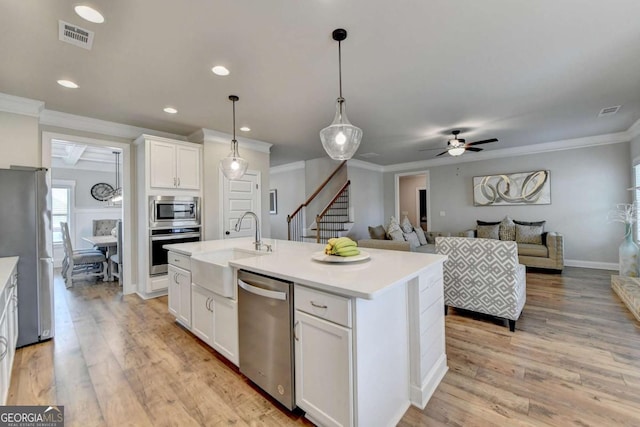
(6, 267)
(292, 261)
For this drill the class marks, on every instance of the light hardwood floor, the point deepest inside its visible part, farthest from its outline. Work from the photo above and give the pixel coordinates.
(574, 360)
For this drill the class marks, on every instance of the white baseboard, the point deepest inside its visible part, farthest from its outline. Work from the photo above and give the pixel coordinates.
(421, 395)
(591, 264)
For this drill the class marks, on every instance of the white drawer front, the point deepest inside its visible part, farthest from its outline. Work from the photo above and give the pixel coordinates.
(431, 290)
(180, 260)
(331, 307)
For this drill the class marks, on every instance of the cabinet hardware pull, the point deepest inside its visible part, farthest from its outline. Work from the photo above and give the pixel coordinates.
(207, 304)
(315, 304)
(295, 326)
(174, 181)
(178, 182)
(4, 342)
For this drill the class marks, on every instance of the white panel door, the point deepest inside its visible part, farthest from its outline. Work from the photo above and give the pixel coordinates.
(162, 164)
(240, 196)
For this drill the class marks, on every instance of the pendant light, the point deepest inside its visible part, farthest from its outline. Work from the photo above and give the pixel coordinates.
(340, 139)
(233, 166)
(116, 195)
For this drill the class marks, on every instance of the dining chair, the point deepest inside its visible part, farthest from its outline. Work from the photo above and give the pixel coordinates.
(115, 260)
(103, 227)
(80, 264)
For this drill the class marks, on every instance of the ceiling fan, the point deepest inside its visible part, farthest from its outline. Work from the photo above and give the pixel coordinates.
(457, 146)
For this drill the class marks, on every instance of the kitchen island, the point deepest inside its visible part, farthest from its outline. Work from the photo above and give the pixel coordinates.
(369, 335)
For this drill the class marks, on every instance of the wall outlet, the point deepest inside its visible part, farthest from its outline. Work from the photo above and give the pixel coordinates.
(443, 213)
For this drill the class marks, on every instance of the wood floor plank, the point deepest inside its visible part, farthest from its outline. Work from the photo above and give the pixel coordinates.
(573, 360)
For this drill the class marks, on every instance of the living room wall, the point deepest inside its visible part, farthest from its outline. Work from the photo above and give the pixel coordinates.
(290, 186)
(585, 184)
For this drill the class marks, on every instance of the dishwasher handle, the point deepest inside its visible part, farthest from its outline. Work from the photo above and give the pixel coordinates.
(262, 292)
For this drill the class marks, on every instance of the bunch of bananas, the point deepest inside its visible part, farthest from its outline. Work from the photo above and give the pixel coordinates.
(341, 246)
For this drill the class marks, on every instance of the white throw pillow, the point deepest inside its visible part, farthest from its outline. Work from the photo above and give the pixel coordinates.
(406, 225)
(393, 226)
(421, 237)
(412, 238)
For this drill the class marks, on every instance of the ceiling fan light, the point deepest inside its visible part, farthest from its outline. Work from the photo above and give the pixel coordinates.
(341, 139)
(456, 151)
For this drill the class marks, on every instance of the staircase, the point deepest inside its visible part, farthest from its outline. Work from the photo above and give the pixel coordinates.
(333, 221)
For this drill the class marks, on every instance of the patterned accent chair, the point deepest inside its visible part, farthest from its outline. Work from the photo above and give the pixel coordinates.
(483, 275)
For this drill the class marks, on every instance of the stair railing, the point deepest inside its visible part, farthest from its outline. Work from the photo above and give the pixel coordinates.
(326, 230)
(295, 221)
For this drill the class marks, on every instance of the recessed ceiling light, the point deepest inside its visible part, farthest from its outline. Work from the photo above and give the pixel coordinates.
(89, 13)
(170, 110)
(68, 83)
(220, 70)
(245, 128)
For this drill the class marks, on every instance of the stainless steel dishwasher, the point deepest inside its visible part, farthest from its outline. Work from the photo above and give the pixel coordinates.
(265, 314)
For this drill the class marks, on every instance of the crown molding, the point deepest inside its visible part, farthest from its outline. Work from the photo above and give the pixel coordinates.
(545, 147)
(19, 105)
(103, 127)
(364, 165)
(289, 167)
(209, 135)
(634, 130)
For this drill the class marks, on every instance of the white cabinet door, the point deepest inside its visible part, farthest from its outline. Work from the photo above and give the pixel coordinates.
(5, 366)
(202, 313)
(225, 327)
(162, 164)
(180, 294)
(323, 370)
(188, 167)
(174, 291)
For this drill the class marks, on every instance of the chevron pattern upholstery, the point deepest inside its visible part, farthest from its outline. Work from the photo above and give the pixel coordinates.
(483, 275)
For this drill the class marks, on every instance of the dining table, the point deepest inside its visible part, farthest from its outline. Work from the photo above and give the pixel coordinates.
(109, 243)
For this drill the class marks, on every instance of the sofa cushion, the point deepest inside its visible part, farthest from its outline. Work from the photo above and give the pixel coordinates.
(377, 233)
(421, 237)
(431, 236)
(412, 238)
(488, 231)
(507, 229)
(530, 249)
(529, 234)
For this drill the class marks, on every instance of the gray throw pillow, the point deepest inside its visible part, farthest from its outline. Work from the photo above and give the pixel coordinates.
(406, 225)
(377, 233)
(478, 222)
(396, 235)
(538, 223)
(412, 238)
(488, 231)
(529, 234)
(421, 237)
(507, 229)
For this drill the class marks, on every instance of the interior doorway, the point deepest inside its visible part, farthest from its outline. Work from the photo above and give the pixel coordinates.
(412, 198)
(101, 174)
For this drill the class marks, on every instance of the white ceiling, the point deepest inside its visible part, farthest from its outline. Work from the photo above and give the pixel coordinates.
(525, 72)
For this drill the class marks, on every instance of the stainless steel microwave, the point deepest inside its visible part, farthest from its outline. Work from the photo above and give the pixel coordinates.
(174, 211)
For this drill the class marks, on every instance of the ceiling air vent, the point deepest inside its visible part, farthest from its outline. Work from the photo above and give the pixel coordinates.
(75, 35)
(609, 111)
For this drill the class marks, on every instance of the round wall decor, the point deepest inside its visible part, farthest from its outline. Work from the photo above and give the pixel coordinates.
(101, 191)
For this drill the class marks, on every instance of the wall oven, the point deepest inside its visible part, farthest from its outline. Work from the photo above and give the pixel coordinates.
(174, 211)
(158, 237)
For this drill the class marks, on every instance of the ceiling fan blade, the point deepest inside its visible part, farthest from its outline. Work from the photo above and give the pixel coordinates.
(444, 152)
(486, 141)
(473, 149)
(428, 149)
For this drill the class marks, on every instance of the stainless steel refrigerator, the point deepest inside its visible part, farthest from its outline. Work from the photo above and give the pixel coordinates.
(25, 231)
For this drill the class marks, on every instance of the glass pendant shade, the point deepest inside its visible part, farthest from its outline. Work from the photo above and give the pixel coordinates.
(341, 139)
(456, 151)
(233, 166)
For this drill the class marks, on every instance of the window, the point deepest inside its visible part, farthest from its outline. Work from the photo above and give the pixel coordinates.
(636, 195)
(60, 210)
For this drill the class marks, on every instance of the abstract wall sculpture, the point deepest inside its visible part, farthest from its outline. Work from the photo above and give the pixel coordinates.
(523, 188)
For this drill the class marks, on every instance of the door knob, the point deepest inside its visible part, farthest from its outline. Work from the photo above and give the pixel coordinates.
(227, 232)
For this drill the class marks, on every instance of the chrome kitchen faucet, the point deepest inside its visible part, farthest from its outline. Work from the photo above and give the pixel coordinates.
(258, 243)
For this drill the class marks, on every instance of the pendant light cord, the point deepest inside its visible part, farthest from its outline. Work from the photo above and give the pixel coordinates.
(341, 99)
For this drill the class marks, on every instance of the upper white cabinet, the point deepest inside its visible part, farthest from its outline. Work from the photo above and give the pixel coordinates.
(171, 165)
